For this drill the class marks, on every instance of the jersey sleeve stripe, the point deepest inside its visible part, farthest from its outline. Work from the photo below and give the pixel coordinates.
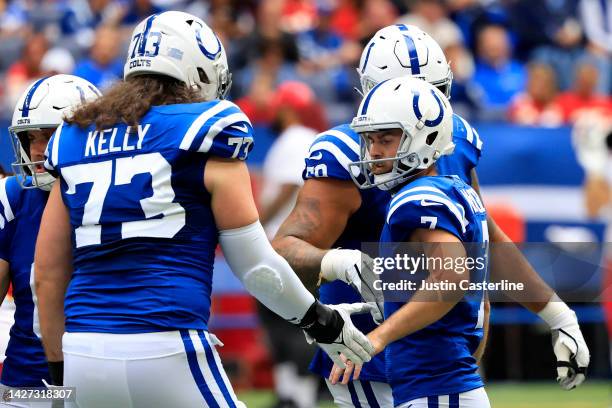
(8, 211)
(335, 151)
(199, 122)
(346, 139)
(478, 139)
(418, 189)
(55, 149)
(219, 125)
(454, 209)
(471, 133)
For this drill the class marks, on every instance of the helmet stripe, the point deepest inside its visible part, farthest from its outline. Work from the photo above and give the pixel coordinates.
(365, 63)
(25, 109)
(145, 34)
(364, 108)
(415, 68)
(94, 90)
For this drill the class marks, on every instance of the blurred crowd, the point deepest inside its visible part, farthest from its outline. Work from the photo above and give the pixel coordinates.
(531, 62)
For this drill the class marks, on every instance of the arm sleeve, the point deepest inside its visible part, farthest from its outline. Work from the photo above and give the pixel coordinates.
(222, 130)
(9, 195)
(264, 273)
(425, 209)
(330, 154)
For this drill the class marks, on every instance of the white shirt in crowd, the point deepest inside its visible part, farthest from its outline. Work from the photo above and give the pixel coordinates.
(284, 164)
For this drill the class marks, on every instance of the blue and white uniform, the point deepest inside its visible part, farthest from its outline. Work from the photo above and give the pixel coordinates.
(437, 360)
(144, 239)
(329, 157)
(20, 213)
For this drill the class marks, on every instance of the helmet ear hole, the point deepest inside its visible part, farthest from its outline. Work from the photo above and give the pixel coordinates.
(203, 76)
(431, 138)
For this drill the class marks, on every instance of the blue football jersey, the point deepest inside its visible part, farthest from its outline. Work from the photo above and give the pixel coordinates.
(329, 157)
(468, 148)
(144, 236)
(20, 213)
(437, 360)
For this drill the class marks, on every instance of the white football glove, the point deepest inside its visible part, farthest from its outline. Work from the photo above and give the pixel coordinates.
(569, 346)
(352, 343)
(356, 269)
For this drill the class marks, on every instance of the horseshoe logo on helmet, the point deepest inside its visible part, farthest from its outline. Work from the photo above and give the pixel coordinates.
(419, 115)
(210, 55)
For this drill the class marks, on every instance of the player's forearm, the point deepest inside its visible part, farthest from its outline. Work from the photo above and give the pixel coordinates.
(264, 273)
(5, 279)
(424, 308)
(413, 316)
(479, 353)
(51, 315)
(509, 263)
(305, 259)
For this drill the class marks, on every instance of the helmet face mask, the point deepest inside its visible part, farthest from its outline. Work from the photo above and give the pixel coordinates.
(404, 162)
(42, 106)
(23, 166)
(425, 118)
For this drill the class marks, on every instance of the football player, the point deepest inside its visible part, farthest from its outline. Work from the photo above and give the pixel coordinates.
(406, 126)
(151, 177)
(37, 114)
(332, 213)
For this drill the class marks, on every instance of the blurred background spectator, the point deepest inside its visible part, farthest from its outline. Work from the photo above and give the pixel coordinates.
(102, 67)
(497, 74)
(538, 105)
(27, 68)
(583, 95)
(489, 44)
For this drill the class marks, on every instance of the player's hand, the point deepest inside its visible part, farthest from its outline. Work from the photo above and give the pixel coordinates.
(336, 334)
(356, 269)
(572, 354)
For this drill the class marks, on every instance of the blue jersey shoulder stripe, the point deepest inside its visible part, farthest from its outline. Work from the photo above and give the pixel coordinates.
(339, 144)
(52, 150)
(427, 189)
(423, 193)
(6, 205)
(199, 122)
(470, 133)
(222, 123)
(344, 138)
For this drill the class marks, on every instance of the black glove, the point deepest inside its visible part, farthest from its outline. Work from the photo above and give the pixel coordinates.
(56, 371)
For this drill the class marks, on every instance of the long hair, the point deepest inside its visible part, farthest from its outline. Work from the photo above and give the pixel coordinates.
(128, 101)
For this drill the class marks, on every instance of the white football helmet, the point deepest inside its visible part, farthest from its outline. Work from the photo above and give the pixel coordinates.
(43, 105)
(426, 119)
(183, 47)
(400, 50)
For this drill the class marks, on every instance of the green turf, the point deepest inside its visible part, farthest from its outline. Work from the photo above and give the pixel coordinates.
(504, 395)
